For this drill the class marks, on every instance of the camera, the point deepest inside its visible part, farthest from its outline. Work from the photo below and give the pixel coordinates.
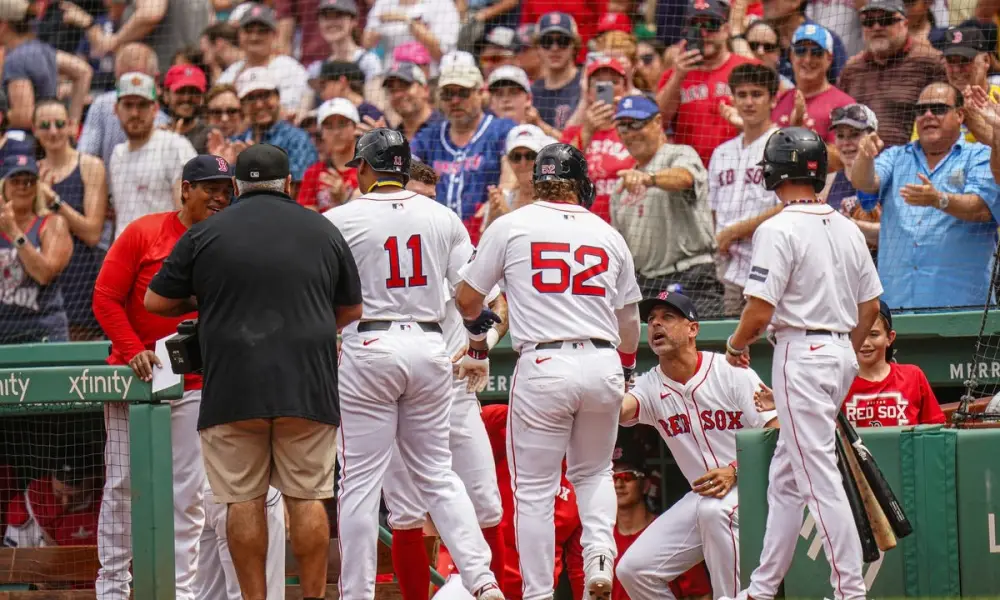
(184, 349)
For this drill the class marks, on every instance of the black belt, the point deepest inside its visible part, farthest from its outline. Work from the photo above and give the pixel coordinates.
(556, 345)
(364, 326)
(825, 332)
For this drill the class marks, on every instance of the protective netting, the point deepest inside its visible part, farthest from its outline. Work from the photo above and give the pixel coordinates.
(310, 75)
(51, 477)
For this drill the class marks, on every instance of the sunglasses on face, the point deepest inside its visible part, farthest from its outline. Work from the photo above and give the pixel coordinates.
(562, 41)
(631, 125)
(882, 20)
(59, 123)
(937, 109)
(218, 113)
(710, 26)
(958, 61)
(758, 47)
(647, 59)
(526, 155)
(627, 476)
(813, 51)
(463, 93)
(25, 181)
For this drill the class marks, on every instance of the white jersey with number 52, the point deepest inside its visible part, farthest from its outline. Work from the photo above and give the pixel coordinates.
(408, 249)
(565, 272)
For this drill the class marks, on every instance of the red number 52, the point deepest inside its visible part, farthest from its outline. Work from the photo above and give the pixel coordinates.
(552, 262)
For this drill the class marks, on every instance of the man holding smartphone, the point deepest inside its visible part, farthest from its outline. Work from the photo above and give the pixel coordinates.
(597, 138)
(698, 82)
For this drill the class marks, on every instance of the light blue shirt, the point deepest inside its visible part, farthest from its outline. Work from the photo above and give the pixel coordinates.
(926, 257)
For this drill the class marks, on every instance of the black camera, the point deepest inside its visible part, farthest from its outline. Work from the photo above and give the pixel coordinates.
(184, 349)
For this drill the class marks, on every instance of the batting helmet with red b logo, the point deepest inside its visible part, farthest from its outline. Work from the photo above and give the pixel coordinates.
(562, 162)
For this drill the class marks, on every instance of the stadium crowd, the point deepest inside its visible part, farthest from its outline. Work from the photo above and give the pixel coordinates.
(104, 102)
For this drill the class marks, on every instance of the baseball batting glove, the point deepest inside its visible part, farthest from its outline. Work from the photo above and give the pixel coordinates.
(475, 369)
(479, 326)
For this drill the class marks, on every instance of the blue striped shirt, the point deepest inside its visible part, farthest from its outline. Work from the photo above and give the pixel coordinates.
(926, 257)
(296, 142)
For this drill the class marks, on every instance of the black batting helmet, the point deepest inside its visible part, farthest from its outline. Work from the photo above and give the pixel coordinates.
(562, 162)
(385, 150)
(794, 154)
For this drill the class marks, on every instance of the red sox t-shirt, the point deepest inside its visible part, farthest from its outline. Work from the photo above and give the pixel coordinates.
(904, 397)
(606, 156)
(698, 122)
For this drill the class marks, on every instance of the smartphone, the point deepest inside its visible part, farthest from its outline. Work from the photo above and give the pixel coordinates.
(694, 39)
(606, 92)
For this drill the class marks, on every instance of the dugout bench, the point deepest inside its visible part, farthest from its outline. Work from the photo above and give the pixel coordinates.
(73, 377)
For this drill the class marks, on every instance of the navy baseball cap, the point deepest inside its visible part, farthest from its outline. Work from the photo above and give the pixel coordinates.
(966, 42)
(206, 167)
(405, 72)
(17, 164)
(262, 162)
(637, 107)
(674, 300)
(556, 22)
(627, 452)
(716, 9)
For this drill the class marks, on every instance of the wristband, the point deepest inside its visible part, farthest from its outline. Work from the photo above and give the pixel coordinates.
(492, 337)
(476, 337)
(735, 469)
(628, 359)
(730, 350)
(478, 354)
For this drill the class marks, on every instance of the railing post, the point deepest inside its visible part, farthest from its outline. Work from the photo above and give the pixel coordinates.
(152, 501)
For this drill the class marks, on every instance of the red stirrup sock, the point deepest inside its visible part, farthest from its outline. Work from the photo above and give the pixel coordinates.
(411, 564)
(494, 537)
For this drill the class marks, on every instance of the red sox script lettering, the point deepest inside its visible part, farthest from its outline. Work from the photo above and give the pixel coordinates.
(711, 420)
(751, 176)
(676, 425)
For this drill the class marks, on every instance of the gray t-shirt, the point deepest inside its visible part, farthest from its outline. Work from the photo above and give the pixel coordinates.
(180, 28)
(661, 227)
(35, 61)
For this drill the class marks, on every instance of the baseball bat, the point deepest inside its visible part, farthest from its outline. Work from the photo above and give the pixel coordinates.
(885, 539)
(893, 510)
(869, 547)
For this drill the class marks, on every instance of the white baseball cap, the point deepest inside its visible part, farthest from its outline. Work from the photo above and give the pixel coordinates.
(136, 84)
(527, 136)
(462, 75)
(255, 79)
(337, 106)
(512, 74)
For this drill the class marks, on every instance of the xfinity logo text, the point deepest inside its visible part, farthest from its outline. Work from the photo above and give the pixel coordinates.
(14, 386)
(84, 384)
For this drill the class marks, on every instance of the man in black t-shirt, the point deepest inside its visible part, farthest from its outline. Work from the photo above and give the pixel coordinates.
(273, 282)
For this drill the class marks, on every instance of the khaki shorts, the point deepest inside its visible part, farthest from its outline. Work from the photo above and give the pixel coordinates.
(297, 456)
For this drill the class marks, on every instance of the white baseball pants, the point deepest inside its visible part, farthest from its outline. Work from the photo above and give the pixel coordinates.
(811, 375)
(390, 394)
(563, 402)
(695, 528)
(114, 526)
(471, 459)
(216, 578)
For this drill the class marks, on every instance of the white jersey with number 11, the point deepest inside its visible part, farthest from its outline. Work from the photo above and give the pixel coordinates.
(565, 272)
(408, 249)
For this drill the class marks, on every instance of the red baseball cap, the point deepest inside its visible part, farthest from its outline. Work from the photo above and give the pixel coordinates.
(181, 76)
(606, 63)
(614, 21)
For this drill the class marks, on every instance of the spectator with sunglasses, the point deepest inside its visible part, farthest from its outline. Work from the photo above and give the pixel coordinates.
(557, 92)
(661, 209)
(597, 137)
(787, 16)
(849, 124)
(890, 74)
(951, 245)
(649, 63)
(810, 103)
(761, 39)
(632, 484)
(224, 113)
(523, 144)
(690, 92)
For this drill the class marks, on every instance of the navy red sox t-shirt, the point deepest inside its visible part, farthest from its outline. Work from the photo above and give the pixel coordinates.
(555, 107)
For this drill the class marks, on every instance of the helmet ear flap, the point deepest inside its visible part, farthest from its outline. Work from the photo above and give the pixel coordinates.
(587, 192)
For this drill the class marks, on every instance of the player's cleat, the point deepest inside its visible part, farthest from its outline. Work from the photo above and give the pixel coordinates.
(599, 573)
(490, 591)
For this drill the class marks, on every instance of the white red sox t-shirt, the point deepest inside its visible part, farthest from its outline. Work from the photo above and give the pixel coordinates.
(699, 419)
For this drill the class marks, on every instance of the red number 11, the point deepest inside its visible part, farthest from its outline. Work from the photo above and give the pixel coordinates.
(395, 279)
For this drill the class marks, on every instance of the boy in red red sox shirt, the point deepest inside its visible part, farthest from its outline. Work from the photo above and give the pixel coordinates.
(886, 393)
(132, 261)
(57, 510)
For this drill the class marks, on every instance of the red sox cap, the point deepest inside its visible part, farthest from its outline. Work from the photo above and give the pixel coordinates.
(206, 167)
(674, 300)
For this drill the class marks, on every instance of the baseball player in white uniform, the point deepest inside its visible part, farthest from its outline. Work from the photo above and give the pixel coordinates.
(812, 279)
(738, 201)
(570, 284)
(216, 576)
(697, 401)
(395, 365)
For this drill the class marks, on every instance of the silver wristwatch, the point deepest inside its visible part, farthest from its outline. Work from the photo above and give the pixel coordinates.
(943, 201)
(20, 241)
